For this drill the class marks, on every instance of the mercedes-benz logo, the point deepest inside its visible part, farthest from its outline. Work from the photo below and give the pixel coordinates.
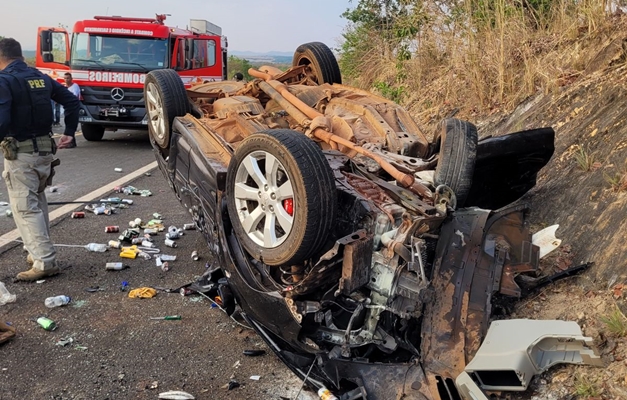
(117, 94)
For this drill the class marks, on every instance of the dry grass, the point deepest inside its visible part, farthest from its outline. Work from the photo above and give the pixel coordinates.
(584, 158)
(615, 322)
(490, 67)
(585, 388)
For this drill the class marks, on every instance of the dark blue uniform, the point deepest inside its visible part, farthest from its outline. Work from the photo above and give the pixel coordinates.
(25, 122)
(25, 95)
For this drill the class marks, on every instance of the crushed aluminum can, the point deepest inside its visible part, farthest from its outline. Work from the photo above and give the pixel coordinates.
(147, 243)
(150, 231)
(115, 244)
(78, 214)
(158, 261)
(133, 224)
(195, 255)
(127, 201)
(165, 257)
(157, 216)
(172, 236)
(99, 210)
(112, 229)
(137, 240)
(53, 189)
(189, 227)
(186, 291)
(144, 255)
(170, 243)
(165, 267)
(117, 169)
(108, 211)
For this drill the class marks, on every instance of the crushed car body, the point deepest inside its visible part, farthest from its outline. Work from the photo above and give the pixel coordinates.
(365, 255)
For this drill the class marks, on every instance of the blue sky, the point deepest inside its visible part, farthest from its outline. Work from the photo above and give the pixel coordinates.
(250, 25)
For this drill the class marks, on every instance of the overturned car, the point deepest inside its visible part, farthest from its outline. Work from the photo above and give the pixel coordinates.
(366, 256)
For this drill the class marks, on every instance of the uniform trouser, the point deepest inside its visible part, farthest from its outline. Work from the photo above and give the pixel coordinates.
(26, 181)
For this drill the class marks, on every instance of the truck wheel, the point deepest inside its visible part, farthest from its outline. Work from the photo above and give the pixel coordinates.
(321, 60)
(456, 162)
(280, 196)
(166, 99)
(92, 133)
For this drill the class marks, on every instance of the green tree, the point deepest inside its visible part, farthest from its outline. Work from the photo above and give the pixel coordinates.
(236, 64)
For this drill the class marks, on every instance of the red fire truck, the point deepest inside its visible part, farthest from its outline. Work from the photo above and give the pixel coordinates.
(109, 57)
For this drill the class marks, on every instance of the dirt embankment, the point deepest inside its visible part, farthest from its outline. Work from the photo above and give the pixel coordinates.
(584, 190)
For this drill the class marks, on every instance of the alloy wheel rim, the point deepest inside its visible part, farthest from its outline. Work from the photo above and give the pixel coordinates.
(156, 119)
(261, 187)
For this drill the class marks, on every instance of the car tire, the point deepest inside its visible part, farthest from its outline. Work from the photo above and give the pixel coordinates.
(457, 142)
(92, 133)
(166, 99)
(301, 174)
(321, 60)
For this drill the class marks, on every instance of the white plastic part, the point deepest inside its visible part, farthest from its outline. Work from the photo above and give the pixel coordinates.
(546, 240)
(515, 350)
(176, 395)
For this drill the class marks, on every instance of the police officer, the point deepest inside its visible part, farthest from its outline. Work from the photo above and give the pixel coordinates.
(25, 125)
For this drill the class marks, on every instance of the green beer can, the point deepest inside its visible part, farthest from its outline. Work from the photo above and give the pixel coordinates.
(47, 323)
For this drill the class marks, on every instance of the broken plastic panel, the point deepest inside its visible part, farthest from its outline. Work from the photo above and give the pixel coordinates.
(546, 240)
(516, 350)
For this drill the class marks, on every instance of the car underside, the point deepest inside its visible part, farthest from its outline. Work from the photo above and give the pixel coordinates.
(369, 258)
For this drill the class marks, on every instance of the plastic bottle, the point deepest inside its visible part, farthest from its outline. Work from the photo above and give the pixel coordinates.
(5, 296)
(325, 394)
(97, 247)
(57, 301)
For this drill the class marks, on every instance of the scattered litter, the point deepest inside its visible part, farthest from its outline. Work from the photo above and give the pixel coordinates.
(117, 169)
(170, 243)
(79, 347)
(186, 291)
(115, 266)
(165, 257)
(195, 255)
(114, 244)
(53, 189)
(176, 395)
(168, 318)
(157, 216)
(79, 303)
(124, 286)
(64, 341)
(142, 293)
(40, 281)
(5, 295)
(189, 227)
(96, 247)
(112, 229)
(255, 377)
(8, 213)
(78, 214)
(153, 385)
(237, 364)
(57, 301)
(165, 267)
(254, 353)
(94, 289)
(195, 299)
(148, 174)
(47, 323)
(3, 203)
(233, 384)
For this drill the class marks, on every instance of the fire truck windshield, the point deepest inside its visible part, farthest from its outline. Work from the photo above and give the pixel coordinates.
(118, 53)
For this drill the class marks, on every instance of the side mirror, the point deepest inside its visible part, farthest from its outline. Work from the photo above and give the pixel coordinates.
(45, 39)
(47, 57)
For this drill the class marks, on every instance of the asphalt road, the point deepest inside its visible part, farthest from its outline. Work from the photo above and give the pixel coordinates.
(89, 166)
(121, 353)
